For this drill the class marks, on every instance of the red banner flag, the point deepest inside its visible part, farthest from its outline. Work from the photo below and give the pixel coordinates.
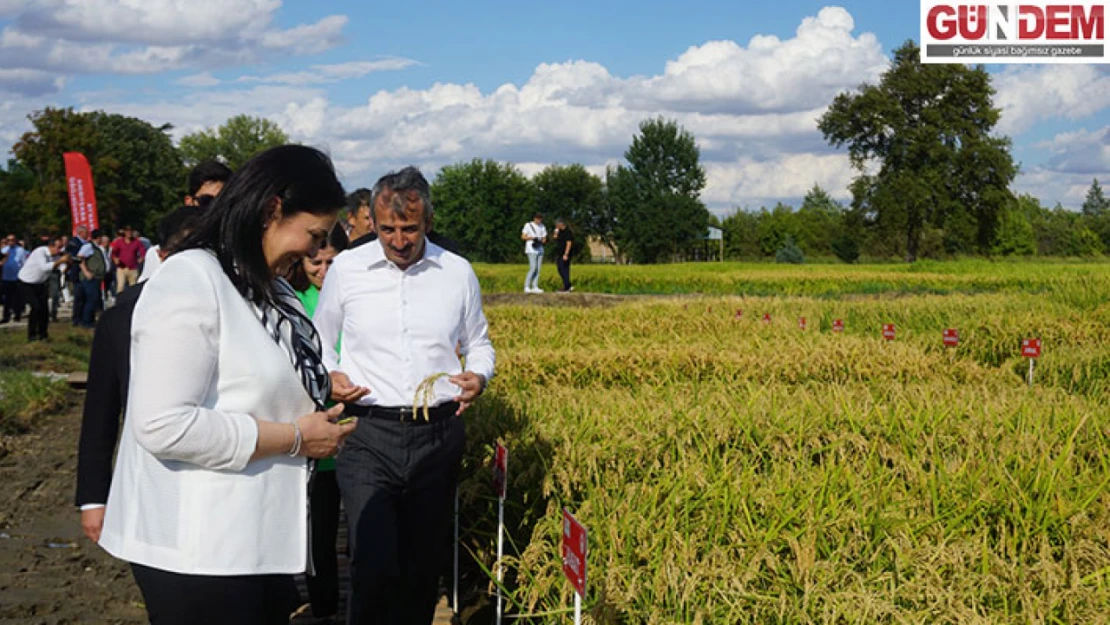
(82, 198)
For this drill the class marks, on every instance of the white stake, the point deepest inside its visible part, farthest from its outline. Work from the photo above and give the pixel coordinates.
(577, 608)
(1031, 372)
(455, 597)
(500, 547)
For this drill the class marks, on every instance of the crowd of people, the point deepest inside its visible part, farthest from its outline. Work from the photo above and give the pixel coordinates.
(258, 371)
(87, 270)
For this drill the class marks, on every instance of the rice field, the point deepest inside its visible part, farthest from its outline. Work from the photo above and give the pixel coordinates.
(735, 471)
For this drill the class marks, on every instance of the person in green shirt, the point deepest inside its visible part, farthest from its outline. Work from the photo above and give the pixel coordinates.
(307, 278)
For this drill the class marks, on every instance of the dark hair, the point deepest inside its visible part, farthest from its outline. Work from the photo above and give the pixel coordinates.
(396, 183)
(174, 221)
(537, 214)
(207, 171)
(96, 234)
(337, 240)
(303, 178)
(358, 199)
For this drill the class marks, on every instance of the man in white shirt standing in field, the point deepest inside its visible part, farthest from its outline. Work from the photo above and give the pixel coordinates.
(534, 234)
(33, 278)
(403, 305)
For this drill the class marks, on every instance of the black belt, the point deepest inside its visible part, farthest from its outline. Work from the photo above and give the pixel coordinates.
(406, 414)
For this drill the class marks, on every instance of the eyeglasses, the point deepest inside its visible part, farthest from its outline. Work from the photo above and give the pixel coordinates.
(204, 201)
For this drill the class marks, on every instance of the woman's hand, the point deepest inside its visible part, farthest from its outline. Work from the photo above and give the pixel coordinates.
(321, 436)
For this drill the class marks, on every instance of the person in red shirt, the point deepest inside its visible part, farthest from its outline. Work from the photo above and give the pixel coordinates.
(127, 254)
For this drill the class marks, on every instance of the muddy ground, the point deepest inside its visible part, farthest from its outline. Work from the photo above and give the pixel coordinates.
(49, 572)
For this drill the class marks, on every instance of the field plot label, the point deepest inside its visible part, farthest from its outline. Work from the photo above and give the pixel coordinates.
(574, 552)
(1031, 348)
(888, 331)
(951, 337)
(767, 318)
(739, 313)
(802, 323)
(500, 470)
(838, 325)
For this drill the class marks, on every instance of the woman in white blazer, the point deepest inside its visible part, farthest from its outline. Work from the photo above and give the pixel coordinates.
(209, 493)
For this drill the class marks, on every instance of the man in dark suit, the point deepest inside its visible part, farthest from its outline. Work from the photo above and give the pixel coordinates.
(106, 398)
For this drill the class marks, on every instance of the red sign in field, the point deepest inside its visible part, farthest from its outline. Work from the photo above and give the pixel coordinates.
(1031, 348)
(802, 323)
(838, 325)
(951, 337)
(888, 331)
(574, 552)
(767, 318)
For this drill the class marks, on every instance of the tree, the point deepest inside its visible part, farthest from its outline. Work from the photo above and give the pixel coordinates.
(136, 169)
(1096, 204)
(233, 143)
(818, 222)
(16, 181)
(575, 195)
(741, 238)
(657, 210)
(482, 205)
(1015, 234)
(929, 130)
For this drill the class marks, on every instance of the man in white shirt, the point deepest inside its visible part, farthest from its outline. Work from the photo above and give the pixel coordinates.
(404, 305)
(534, 234)
(33, 278)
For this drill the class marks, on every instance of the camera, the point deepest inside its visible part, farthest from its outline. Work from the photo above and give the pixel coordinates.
(536, 244)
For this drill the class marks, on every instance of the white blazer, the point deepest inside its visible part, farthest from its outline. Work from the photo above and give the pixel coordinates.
(185, 496)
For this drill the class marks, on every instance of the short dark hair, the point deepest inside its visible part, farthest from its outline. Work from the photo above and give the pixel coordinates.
(303, 178)
(207, 171)
(359, 198)
(174, 221)
(393, 184)
(96, 234)
(537, 214)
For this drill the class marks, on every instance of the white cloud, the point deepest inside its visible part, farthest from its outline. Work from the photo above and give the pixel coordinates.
(70, 37)
(1030, 95)
(203, 79)
(1076, 159)
(751, 183)
(321, 74)
(29, 82)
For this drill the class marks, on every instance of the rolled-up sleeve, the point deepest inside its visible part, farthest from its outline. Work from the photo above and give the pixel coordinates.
(475, 343)
(175, 344)
(328, 318)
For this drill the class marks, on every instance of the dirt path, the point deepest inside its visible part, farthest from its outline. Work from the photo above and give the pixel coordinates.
(49, 572)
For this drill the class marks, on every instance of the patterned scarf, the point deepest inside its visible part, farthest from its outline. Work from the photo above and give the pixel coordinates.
(303, 343)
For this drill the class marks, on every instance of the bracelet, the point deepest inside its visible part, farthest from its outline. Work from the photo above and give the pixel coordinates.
(295, 450)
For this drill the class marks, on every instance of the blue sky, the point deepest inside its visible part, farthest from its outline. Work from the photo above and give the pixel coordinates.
(434, 83)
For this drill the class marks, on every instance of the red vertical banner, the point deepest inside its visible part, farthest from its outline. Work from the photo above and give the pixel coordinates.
(82, 198)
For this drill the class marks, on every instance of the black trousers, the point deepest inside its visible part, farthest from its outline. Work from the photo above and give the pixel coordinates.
(323, 588)
(564, 271)
(177, 599)
(398, 481)
(38, 320)
(12, 295)
(79, 294)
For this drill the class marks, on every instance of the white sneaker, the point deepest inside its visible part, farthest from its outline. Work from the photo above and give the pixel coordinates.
(537, 290)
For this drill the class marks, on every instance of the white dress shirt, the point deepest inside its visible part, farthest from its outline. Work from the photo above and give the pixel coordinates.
(38, 266)
(185, 495)
(399, 327)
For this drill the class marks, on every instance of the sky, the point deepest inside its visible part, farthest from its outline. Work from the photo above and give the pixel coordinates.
(382, 86)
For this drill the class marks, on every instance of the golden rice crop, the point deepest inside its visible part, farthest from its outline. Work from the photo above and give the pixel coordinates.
(731, 471)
